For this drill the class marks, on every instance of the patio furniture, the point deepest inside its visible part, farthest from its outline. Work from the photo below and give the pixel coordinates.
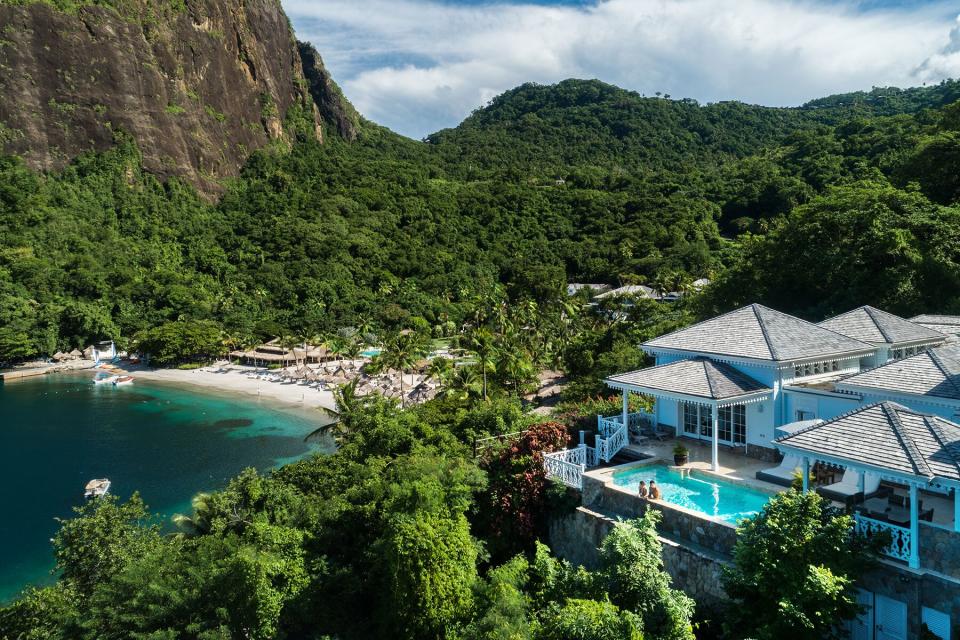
(848, 491)
(783, 474)
(660, 434)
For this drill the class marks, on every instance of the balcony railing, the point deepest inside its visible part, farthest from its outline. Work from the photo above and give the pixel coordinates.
(901, 541)
(608, 424)
(568, 465)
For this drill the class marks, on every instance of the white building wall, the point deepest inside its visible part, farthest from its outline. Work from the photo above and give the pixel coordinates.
(821, 405)
(760, 422)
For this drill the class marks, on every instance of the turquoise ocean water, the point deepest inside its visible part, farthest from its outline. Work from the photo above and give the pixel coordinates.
(167, 442)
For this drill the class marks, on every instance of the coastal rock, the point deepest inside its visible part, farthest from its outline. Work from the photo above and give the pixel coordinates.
(198, 84)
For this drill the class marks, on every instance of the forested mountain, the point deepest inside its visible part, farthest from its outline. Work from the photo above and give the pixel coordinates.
(551, 130)
(546, 184)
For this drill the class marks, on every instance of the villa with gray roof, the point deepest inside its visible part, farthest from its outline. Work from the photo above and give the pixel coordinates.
(945, 324)
(862, 407)
(893, 336)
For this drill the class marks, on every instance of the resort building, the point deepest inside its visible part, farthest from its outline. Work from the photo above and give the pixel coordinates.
(947, 325)
(862, 408)
(893, 337)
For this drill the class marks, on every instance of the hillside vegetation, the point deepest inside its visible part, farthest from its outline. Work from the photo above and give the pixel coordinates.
(580, 181)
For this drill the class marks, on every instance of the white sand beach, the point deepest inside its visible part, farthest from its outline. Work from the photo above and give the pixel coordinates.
(239, 379)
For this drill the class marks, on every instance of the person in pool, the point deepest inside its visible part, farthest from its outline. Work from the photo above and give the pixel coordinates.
(642, 490)
(654, 491)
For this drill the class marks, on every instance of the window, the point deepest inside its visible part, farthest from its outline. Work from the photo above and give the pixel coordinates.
(706, 422)
(733, 424)
(805, 415)
(690, 421)
(697, 420)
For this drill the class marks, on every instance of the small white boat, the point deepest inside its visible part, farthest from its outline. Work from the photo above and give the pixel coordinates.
(96, 488)
(102, 379)
(123, 380)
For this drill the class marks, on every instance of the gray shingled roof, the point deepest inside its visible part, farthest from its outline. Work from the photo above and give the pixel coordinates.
(930, 318)
(932, 373)
(875, 326)
(700, 377)
(759, 332)
(889, 436)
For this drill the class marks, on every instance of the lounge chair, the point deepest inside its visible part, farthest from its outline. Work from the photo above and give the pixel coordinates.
(848, 491)
(783, 474)
(660, 434)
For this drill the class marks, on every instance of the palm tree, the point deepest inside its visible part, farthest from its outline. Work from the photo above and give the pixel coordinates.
(198, 523)
(464, 384)
(337, 345)
(439, 370)
(289, 343)
(482, 342)
(401, 352)
(346, 401)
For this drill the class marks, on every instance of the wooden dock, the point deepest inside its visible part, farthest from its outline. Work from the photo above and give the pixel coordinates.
(19, 374)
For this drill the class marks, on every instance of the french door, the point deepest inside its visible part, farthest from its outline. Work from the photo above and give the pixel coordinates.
(731, 422)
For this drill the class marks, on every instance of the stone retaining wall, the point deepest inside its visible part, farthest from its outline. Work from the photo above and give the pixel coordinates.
(940, 550)
(577, 537)
(676, 523)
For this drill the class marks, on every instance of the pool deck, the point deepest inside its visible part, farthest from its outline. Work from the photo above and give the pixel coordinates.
(735, 467)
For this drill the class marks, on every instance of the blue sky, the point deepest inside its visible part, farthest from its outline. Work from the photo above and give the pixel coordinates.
(417, 66)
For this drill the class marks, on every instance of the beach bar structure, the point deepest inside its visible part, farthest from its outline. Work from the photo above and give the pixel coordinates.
(271, 353)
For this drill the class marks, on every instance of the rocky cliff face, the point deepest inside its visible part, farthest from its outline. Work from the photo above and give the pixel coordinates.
(198, 84)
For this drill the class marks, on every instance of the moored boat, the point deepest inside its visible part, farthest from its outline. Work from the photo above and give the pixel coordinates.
(105, 379)
(120, 380)
(96, 488)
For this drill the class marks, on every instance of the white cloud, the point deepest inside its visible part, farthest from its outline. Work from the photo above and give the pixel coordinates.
(417, 66)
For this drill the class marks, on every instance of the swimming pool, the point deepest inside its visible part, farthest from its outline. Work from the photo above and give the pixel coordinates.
(370, 353)
(712, 497)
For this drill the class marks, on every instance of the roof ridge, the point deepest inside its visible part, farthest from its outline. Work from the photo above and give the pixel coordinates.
(876, 322)
(935, 357)
(913, 451)
(933, 423)
(706, 374)
(763, 329)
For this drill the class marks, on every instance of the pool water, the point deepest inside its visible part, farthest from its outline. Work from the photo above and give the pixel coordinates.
(712, 497)
(370, 353)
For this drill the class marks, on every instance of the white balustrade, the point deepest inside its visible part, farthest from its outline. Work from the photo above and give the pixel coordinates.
(900, 538)
(607, 425)
(562, 466)
(609, 446)
(591, 456)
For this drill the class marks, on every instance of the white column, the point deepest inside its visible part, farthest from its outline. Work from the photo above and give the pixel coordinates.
(716, 438)
(626, 407)
(956, 509)
(914, 528)
(806, 474)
